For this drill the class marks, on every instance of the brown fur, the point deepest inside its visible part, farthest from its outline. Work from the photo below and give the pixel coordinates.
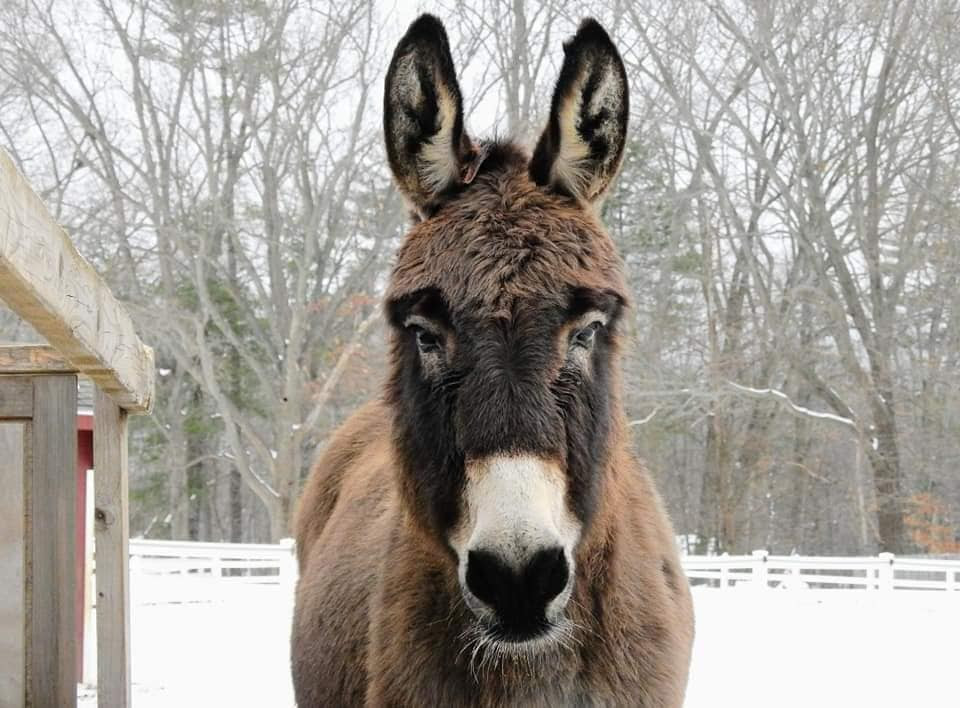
(506, 239)
(378, 609)
(507, 251)
(379, 617)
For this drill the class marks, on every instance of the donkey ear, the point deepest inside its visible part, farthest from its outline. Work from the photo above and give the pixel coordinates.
(423, 115)
(580, 151)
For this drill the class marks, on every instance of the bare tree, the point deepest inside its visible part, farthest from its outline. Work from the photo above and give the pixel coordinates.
(829, 109)
(787, 212)
(243, 189)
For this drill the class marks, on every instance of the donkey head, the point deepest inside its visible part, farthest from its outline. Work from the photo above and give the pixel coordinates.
(504, 304)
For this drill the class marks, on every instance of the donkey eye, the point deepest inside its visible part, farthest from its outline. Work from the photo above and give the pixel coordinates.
(585, 336)
(427, 342)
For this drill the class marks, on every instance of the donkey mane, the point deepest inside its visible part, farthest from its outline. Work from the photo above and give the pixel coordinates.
(483, 535)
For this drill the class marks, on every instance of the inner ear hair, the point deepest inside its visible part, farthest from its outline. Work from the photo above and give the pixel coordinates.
(580, 151)
(427, 147)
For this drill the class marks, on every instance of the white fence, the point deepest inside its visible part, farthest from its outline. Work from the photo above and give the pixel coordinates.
(883, 572)
(183, 571)
(187, 571)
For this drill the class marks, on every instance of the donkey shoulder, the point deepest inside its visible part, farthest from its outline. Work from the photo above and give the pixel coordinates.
(331, 470)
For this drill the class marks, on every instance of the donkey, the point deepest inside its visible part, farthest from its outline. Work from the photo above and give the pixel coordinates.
(483, 535)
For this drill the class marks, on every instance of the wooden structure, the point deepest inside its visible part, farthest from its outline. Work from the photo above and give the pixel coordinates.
(46, 282)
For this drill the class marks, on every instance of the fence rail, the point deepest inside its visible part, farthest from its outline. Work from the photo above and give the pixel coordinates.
(181, 572)
(882, 572)
(184, 571)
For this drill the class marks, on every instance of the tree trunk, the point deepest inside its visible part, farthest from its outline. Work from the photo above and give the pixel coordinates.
(888, 480)
(280, 519)
(716, 518)
(236, 506)
(196, 447)
(177, 483)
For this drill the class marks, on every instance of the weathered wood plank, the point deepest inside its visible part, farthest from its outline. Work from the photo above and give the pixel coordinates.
(49, 284)
(112, 552)
(32, 359)
(12, 563)
(16, 397)
(51, 590)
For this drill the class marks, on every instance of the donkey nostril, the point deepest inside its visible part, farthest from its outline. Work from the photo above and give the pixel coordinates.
(488, 578)
(522, 597)
(546, 575)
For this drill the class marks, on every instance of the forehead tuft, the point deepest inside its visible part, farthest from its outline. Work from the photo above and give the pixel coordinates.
(503, 239)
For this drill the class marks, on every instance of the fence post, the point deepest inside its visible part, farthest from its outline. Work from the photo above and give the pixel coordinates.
(134, 569)
(795, 581)
(760, 569)
(724, 574)
(288, 567)
(885, 571)
(216, 568)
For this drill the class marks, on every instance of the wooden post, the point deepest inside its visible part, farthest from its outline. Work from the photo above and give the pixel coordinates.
(724, 575)
(13, 544)
(51, 529)
(112, 548)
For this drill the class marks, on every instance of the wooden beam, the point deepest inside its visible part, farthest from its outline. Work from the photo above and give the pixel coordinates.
(33, 359)
(112, 552)
(51, 524)
(49, 284)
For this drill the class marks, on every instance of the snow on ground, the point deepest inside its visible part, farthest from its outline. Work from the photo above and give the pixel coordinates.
(754, 649)
(825, 648)
(232, 652)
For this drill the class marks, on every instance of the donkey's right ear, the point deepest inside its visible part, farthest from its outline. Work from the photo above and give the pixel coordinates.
(427, 147)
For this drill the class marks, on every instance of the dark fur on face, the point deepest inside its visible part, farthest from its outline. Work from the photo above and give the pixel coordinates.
(503, 268)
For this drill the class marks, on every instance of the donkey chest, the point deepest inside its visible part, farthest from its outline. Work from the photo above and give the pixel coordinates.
(436, 689)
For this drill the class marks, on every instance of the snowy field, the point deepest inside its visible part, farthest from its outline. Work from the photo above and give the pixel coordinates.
(754, 649)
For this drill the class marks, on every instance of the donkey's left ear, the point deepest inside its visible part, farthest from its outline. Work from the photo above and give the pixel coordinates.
(427, 148)
(580, 151)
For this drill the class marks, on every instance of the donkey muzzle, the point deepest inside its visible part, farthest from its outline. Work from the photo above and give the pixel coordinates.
(520, 598)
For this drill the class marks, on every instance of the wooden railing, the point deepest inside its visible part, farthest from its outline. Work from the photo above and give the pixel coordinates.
(883, 572)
